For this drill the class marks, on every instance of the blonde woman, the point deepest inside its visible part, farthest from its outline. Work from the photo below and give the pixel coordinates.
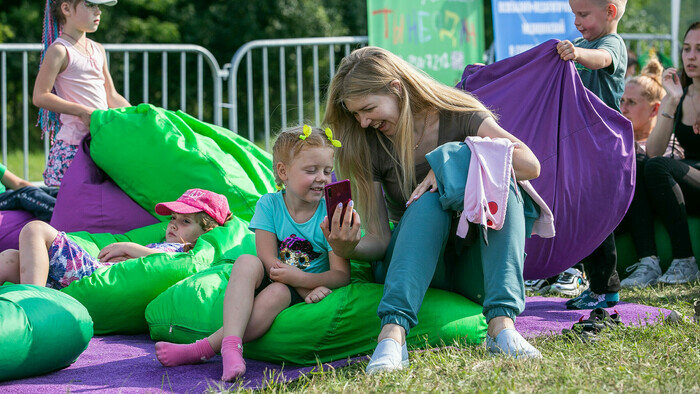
(388, 116)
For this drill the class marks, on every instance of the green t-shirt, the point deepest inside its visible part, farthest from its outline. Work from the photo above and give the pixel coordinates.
(607, 83)
(2, 174)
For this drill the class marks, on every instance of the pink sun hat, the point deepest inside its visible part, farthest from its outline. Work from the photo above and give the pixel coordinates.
(198, 200)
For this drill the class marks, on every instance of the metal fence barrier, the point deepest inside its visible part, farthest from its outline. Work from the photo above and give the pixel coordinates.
(124, 61)
(332, 49)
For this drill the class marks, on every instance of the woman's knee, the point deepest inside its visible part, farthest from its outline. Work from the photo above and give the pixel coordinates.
(656, 167)
(429, 206)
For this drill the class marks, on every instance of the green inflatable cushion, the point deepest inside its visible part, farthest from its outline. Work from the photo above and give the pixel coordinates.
(343, 324)
(154, 155)
(41, 330)
(117, 296)
(627, 255)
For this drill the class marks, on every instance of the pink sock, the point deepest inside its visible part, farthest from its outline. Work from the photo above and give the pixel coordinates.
(232, 353)
(173, 354)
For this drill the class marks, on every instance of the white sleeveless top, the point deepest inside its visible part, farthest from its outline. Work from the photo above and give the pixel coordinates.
(82, 82)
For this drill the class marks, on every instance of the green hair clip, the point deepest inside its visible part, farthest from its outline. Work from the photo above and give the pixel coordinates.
(329, 134)
(306, 132)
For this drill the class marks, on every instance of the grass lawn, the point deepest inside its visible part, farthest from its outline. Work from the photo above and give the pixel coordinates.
(661, 358)
(15, 164)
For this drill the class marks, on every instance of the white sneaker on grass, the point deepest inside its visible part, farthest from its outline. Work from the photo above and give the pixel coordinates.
(570, 283)
(646, 272)
(388, 356)
(681, 271)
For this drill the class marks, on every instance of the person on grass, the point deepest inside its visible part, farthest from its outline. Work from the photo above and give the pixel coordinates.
(674, 185)
(294, 262)
(73, 80)
(389, 115)
(600, 56)
(47, 257)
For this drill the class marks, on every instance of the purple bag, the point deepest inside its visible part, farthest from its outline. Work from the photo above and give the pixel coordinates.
(90, 201)
(585, 148)
(11, 223)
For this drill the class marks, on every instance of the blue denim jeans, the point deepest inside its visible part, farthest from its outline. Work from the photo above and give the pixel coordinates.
(39, 201)
(422, 254)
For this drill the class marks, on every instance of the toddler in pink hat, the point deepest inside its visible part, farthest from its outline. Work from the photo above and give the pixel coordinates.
(50, 258)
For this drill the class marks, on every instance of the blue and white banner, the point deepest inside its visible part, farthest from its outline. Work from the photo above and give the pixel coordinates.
(519, 25)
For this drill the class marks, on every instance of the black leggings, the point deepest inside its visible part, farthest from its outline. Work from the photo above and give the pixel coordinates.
(639, 219)
(39, 201)
(674, 191)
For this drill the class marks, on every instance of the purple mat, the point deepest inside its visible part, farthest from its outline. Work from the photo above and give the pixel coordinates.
(128, 364)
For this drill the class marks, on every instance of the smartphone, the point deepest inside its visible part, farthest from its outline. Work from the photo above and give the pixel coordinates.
(336, 193)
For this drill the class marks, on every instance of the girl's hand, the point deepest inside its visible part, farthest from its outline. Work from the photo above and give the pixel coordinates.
(567, 50)
(429, 183)
(117, 252)
(285, 273)
(344, 234)
(671, 83)
(85, 116)
(317, 294)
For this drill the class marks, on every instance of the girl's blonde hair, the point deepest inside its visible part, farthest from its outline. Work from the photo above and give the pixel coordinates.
(369, 71)
(650, 81)
(289, 144)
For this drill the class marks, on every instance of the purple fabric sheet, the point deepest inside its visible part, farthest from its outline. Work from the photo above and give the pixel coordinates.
(11, 223)
(585, 149)
(90, 201)
(128, 364)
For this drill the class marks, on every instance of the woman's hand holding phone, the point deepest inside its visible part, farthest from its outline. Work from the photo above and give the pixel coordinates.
(344, 233)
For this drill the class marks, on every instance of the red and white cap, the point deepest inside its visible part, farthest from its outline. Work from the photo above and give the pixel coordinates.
(198, 200)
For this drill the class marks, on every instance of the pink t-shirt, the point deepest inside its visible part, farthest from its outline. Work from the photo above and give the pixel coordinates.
(82, 82)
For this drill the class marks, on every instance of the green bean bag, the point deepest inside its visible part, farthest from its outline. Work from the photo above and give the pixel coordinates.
(154, 155)
(116, 296)
(41, 330)
(627, 255)
(343, 324)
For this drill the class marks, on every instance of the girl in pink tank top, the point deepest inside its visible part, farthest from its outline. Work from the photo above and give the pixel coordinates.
(73, 80)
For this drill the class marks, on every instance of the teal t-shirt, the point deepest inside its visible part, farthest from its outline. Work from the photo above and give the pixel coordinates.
(607, 83)
(2, 174)
(299, 244)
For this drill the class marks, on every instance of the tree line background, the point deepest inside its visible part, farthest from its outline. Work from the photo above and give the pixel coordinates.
(223, 26)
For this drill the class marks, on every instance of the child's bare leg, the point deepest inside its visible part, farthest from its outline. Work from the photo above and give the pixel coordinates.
(9, 266)
(35, 239)
(267, 305)
(246, 276)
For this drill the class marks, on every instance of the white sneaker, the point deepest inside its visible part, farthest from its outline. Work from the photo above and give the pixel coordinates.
(681, 271)
(646, 272)
(388, 356)
(570, 283)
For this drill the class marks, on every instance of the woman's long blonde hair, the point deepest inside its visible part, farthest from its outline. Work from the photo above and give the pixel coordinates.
(371, 70)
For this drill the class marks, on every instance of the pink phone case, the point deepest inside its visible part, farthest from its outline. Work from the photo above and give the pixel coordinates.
(336, 193)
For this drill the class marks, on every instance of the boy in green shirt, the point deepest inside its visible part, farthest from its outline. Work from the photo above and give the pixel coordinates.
(601, 61)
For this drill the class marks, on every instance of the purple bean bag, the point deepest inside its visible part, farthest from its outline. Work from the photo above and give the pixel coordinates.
(90, 201)
(11, 223)
(585, 149)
